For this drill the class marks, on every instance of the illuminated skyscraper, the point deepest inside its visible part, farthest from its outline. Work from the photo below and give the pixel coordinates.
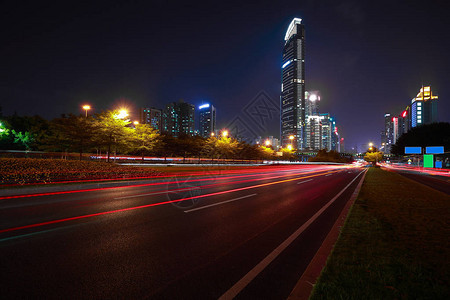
(207, 120)
(179, 118)
(151, 116)
(327, 129)
(313, 124)
(424, 107)
(292, 98)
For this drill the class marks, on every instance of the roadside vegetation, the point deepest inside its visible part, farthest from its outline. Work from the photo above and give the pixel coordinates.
(395, 244)
(19, 171)
(331, 156)
(110, 132)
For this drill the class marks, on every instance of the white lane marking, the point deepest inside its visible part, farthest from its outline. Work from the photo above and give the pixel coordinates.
(304, 181)
(328, 174)
(156, 193)
(244, 281)
(220, 203)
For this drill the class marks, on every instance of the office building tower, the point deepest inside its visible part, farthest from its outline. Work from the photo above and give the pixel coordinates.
(151, 116)
(312, 99)
(292, 99)
(207, 120)
(424, 107)
(313, 133)
(327, 129)
(179, 118)
(388, 133)
(313, 126)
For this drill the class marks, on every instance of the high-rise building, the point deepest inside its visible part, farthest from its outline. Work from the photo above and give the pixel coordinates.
(327, 130)
(313, 126)
(387, 136)
(179, 118)
(292, 97)
(424, 107)
(312, 99)
(151, 116)
(313, 133)
(207, 120)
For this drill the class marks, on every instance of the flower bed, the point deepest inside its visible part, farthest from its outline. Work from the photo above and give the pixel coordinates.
(20, 171)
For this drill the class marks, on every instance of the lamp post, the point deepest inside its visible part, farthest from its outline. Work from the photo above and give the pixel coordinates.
(86, 108)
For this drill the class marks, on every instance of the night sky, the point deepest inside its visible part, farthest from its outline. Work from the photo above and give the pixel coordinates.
(366, 59)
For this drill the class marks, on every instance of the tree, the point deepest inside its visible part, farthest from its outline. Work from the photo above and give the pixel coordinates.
(435, 134)
(331, 156)
(267, 152)
(144, 138)
(112, 131)
(287, 154)
(373, 157)
(247, 151)
(70, 133)
(22, 133)
(226, 147)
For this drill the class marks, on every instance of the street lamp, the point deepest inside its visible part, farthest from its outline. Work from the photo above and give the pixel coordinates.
(370, 144)
(267, 143)
(289, 147)
(212, 134)
(123, 113)
(136, 122)
(225, 133)
(86, 108)
(291, 137)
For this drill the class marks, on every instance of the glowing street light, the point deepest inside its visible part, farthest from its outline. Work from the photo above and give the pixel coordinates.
(370, 144)
(289, 147)
(225, 133)
(136, 122)
(291, 137)
(123, 113)
(267, 143)
(86, 108)
(212, 134)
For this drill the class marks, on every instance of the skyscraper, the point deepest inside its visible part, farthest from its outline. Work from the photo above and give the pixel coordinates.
(313, 126)
(387, 137)
(424, 107)
(151, 116)
(327, 125)
(179, 118)
(207, 120)
(292, 97)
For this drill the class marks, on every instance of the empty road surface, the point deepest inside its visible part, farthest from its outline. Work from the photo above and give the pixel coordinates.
(243, 234)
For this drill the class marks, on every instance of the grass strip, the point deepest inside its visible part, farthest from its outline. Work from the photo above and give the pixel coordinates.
(395, 244)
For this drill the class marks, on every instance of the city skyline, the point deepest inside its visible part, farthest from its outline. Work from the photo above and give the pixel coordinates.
(364, 59)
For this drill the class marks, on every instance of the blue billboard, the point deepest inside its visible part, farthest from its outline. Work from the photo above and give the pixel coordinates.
(434, 150)
(413, 150)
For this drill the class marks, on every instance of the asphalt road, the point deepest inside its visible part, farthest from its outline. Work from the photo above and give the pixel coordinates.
(245, 235)
(440, 182)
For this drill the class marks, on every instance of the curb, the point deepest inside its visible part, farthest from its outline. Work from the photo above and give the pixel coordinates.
(304, 286)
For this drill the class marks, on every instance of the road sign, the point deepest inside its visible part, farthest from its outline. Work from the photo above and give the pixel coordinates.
(428, 161)
(413, 150)
(434, 150)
